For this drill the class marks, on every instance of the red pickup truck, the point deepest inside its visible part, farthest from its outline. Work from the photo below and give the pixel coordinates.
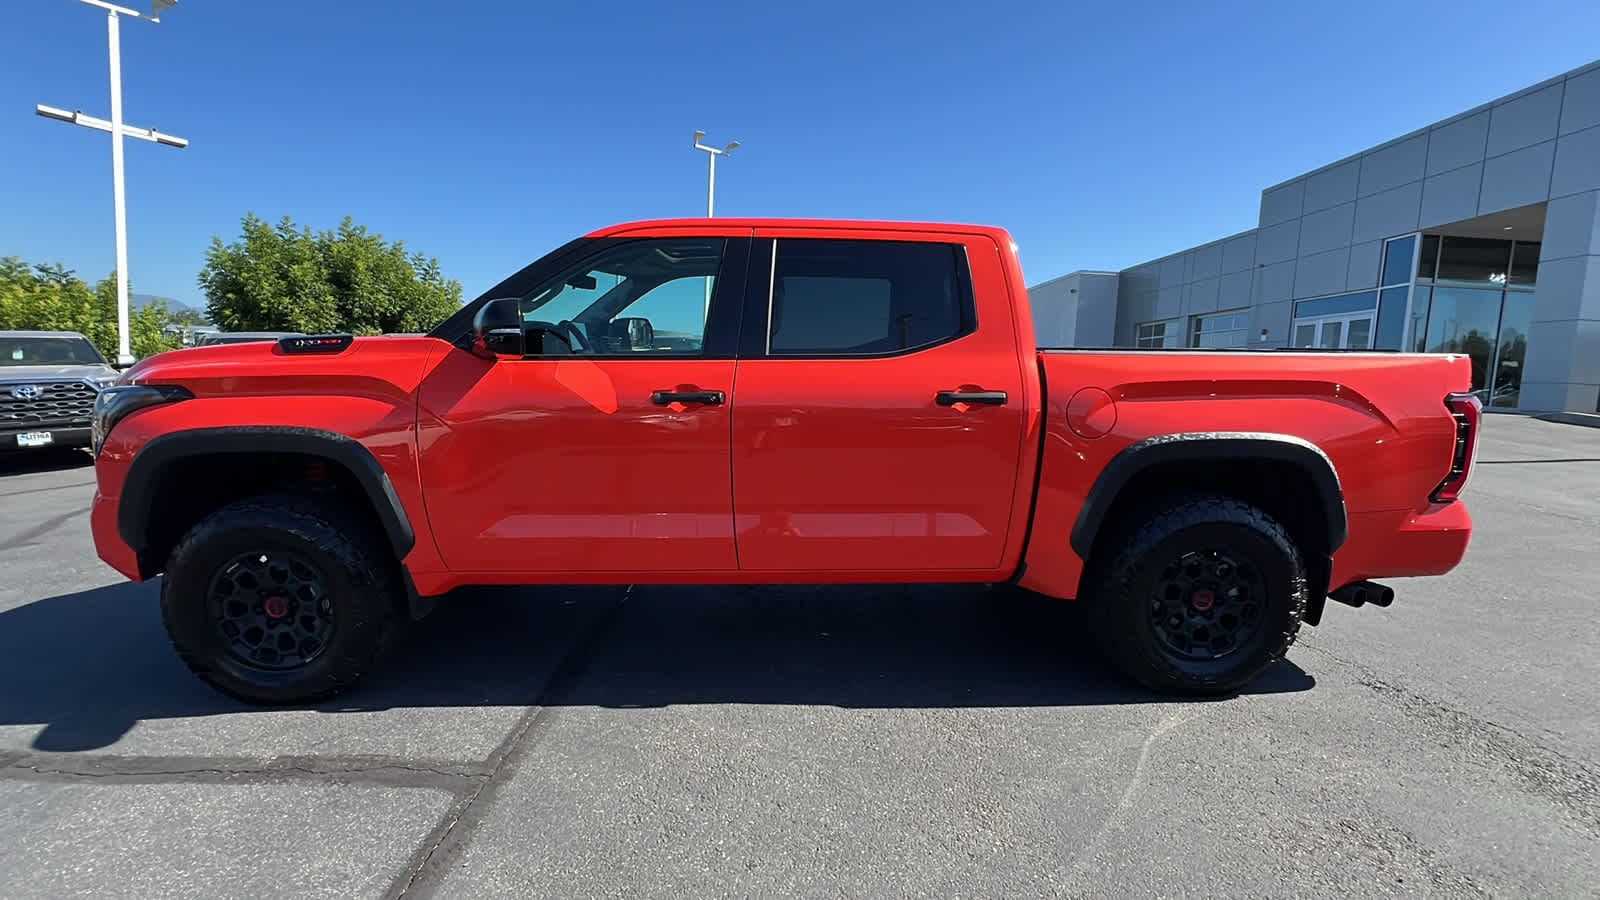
(729, 401)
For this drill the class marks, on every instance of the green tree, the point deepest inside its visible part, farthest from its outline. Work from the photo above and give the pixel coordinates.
(185, 316)
(49, 297)
(284, 277)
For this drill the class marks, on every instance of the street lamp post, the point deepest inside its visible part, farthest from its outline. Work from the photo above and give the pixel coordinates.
(711, 187)
(711, 173)
(118, 129)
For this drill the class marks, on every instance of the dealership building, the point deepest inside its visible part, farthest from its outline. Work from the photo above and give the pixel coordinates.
(1479, 234)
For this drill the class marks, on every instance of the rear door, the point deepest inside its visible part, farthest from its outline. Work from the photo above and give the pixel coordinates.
(879, 418)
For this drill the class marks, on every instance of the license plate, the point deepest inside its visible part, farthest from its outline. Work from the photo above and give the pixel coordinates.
(35, 439)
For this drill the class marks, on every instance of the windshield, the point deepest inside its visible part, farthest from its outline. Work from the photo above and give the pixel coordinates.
(48, 351)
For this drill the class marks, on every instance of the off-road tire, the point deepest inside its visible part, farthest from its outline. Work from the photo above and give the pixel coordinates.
(1129, 585)
(357, 572)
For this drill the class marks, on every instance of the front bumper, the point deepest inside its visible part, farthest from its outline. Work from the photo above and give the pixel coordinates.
(108, 544)
(72, 435)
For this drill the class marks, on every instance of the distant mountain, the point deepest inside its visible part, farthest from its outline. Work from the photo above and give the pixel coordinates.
(138, 300)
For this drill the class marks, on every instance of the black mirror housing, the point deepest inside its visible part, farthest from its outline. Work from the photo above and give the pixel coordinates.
(497, 331)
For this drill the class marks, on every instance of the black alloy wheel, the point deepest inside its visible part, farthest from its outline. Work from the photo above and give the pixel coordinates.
(1206, 605)
(284, 598)
(1197, 594)
(271, 609)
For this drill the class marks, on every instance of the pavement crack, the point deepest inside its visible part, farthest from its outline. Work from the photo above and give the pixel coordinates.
(44, 528)
(453, 777)
(1571, 785)
(54, 487)
(423, 877)
(1181, 716)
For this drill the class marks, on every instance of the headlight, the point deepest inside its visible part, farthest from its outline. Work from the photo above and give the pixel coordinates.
(104, 381)
(115, 402)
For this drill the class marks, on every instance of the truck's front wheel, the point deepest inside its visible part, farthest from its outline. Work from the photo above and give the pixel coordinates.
(279, 600)
(1200, 595)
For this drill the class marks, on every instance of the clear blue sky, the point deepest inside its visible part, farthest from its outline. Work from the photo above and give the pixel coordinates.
(485, 133)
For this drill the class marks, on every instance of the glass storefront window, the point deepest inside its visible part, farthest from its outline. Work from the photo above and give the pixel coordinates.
(1464, 320)
(1428, 260)
(1513, 350)
(1525, 263)
(1220, 330)
(1397, 260)
(1474, 259)
(1392, 318)
(1359, 335)
(1332, 335)
(1327, 306)
(1420, 301)
(1152, 335)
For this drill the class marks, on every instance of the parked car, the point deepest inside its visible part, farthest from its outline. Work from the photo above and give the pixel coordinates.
(891, 421)
(239, 337)
(48, 382)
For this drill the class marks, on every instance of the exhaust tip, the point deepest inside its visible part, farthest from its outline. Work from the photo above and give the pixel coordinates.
(1360, 593)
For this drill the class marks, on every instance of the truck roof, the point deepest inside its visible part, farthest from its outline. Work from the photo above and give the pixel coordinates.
(731, 223)
(42, 334)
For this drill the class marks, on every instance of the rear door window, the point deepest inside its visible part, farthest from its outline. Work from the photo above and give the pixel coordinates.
(866, 297)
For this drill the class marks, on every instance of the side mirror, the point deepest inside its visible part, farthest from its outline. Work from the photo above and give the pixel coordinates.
(497, 331)
(638, 332)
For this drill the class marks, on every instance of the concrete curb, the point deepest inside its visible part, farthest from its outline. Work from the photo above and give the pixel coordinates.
(1588, 420)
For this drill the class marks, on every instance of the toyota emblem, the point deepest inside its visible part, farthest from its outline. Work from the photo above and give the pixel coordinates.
(26, 392)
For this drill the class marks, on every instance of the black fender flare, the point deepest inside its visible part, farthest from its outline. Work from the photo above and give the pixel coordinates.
(1210, 445)
(136, 502)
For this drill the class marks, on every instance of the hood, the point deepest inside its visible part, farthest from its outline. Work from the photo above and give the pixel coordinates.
(262, 366)
(30, 374)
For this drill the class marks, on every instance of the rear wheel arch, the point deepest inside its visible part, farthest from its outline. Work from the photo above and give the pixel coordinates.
(178, 478)
(1276, 472)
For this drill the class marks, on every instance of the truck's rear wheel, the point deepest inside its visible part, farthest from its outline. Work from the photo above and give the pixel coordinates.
(281, 599)
(1200, 595)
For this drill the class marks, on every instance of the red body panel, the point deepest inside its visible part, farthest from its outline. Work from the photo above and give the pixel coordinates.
(366, 392)
(849, 464)
(1379, 417)
(545, 466)
(816, 470)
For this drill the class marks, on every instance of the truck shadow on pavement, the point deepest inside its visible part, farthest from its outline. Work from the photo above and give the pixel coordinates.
(90, 665)
(47, 460)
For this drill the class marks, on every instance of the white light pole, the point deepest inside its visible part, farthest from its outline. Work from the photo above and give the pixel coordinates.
(117, 129)
(711, 173)
(711, 188)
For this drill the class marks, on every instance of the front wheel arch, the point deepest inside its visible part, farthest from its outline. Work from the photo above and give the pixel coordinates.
(175, 479)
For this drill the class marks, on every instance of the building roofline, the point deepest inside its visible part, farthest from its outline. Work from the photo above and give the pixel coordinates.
(1073, 274)
(1197, 247)
(1450, 120)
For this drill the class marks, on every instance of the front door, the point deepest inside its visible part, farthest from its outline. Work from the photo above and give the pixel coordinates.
(877, 428)
(605, 450)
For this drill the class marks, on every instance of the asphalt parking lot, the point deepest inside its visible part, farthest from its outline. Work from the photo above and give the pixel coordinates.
(821, 742)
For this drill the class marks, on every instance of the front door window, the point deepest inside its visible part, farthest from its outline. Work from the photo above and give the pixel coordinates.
(648, 296)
